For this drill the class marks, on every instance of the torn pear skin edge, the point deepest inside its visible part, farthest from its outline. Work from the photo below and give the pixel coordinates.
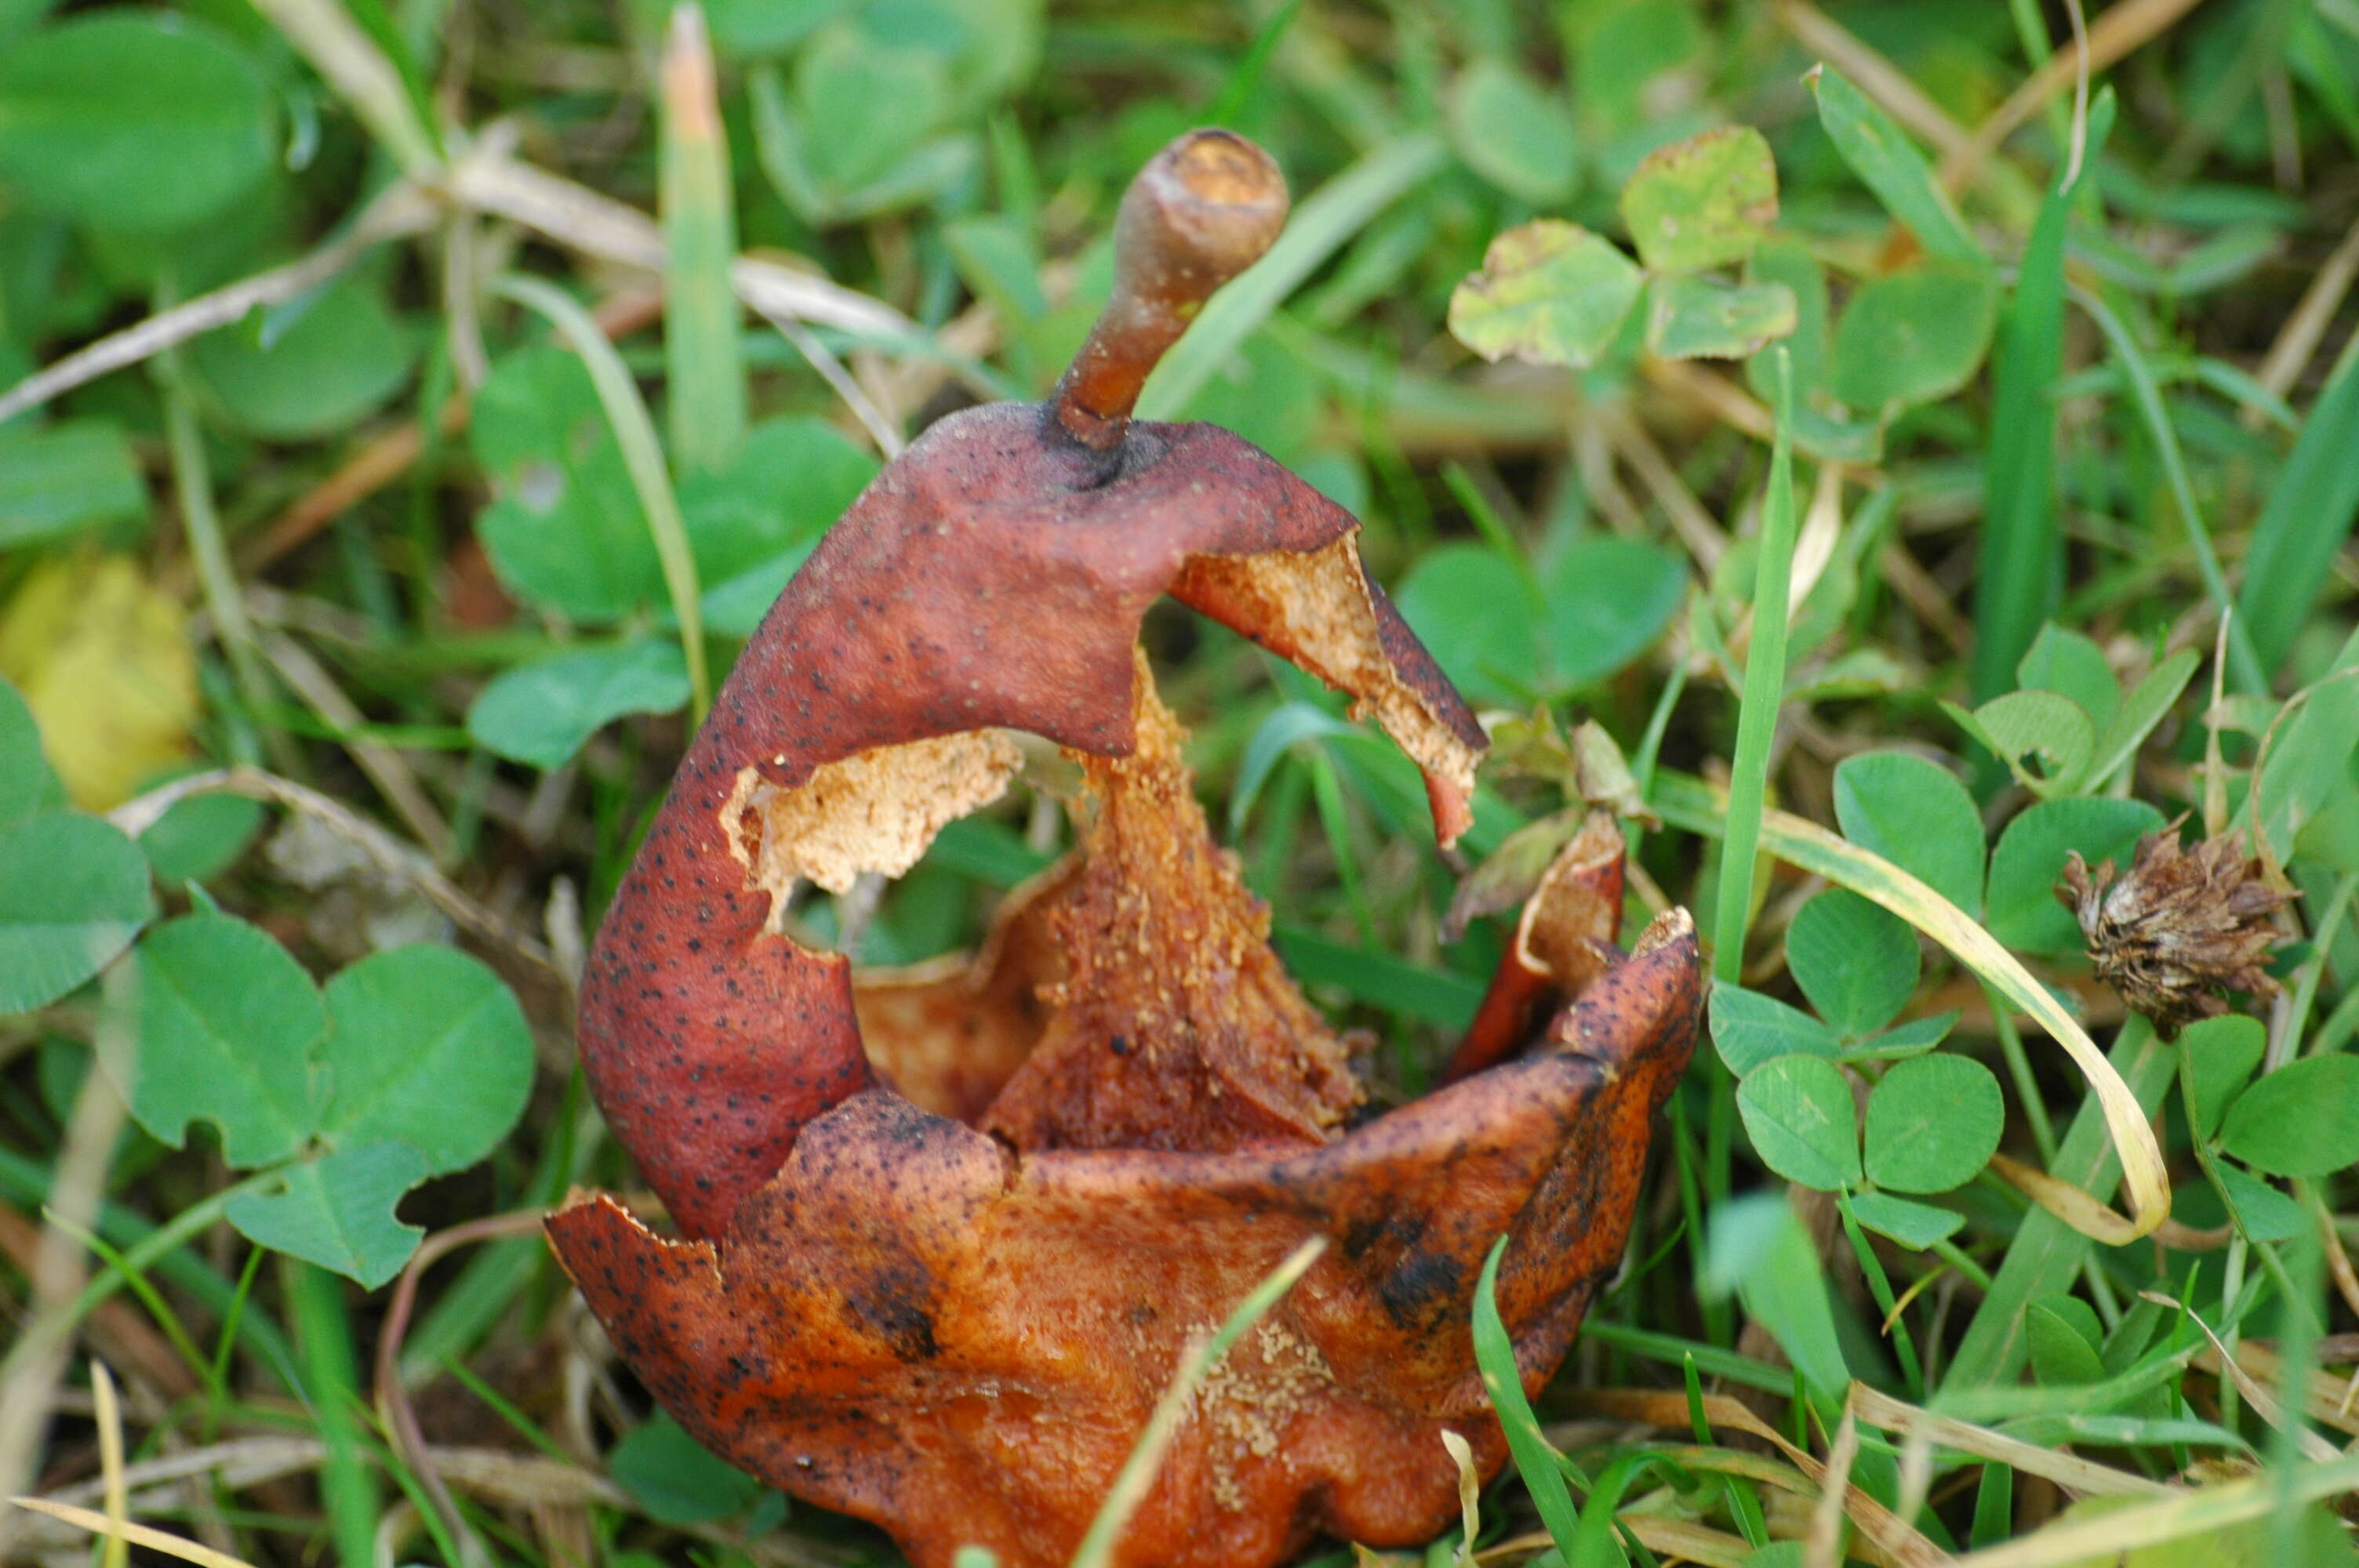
(956, 1328)
(968, 589)
(1562, 941)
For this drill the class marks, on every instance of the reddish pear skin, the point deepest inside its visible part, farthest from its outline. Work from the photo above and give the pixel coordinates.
(892, 1313)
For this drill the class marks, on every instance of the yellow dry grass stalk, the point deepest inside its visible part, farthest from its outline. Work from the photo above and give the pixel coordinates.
(130, 1534)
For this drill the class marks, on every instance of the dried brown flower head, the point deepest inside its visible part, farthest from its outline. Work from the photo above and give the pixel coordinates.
(2180, 927)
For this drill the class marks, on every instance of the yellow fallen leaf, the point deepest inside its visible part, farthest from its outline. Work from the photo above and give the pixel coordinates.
(104, 663)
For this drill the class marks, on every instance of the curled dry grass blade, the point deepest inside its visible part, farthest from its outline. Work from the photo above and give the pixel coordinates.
(1696, 806)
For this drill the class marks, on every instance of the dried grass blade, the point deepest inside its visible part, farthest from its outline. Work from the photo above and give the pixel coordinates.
(2112, 1536)
(1686, 1541)
(2067, 1203)
(133, 1534)
(1824, 1548)
(597, 225)
(109, 1413)
(2264, 1404)
(2066, 1470)
(1888, 1530)
(399, 210)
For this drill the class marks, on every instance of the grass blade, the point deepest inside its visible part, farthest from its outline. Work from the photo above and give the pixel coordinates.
(2023, 553)
(2046, 1252)
(341, 51)
(2310, 513)
(642, 454)
(2243, 664)
(707, 381)
(323, 1335)
(1130, 1488)
(1883, 157)
(1377, 979)
(1764, 686)
(1239, 92)
(1536, 1462)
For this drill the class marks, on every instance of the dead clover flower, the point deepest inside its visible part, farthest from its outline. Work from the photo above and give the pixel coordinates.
(2181, 926)
(945, 1235)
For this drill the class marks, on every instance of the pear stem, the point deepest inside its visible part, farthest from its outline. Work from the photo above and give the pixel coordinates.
(1203, 211)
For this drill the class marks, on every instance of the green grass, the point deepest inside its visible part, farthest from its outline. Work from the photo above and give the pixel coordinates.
(315, 572)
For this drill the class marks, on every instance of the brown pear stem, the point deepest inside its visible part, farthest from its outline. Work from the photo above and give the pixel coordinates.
(1203, 211)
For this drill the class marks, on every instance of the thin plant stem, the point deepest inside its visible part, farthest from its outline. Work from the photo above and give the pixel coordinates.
(642, 456)
(166, 1319)
(2244, 663)
(2019, 1068)
(59, 1321)
(2231, 1285)
(192, 487)
(2340, 1026)
(1650, 747)
(2322, 938)
(1879, 1286)
(1956, 1258)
